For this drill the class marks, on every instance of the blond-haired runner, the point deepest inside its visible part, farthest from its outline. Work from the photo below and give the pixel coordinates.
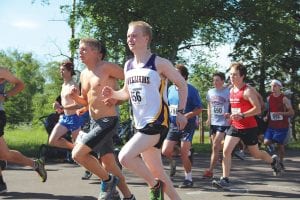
(146, 77)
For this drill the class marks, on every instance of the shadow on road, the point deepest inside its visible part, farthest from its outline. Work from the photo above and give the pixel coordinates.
(26, 195)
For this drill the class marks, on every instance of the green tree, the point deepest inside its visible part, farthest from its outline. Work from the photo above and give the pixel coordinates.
(201, 78)
(174, 22)
(24, 66)
(265, 30)
(44, 100)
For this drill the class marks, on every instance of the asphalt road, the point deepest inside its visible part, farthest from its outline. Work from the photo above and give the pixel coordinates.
(252, 179)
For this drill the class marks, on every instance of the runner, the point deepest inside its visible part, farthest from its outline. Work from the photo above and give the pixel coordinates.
(146, 85)
(244, 106)
(280, 109)
(5, 153)
(104, 119)
(185, 137)
(69, 120)
(217, 106)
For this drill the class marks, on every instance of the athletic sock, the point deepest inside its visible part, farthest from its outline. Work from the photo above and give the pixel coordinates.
(156, 185)
(188, 176)
(34, 165)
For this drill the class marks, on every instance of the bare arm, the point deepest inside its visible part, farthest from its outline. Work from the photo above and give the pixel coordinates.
(115, 71)
(120, 95)
(251, 95)
(166, 69)
(288, 106)
(260, 98)
(208, 121)
(12, 79)
(82, 110)
(80, 99)
(72, 106)
(193, 113)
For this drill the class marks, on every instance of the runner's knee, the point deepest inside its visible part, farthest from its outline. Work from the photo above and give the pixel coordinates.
(167, 152)
(124, 159)
(77, 155)
(227, 152)
(4, 155)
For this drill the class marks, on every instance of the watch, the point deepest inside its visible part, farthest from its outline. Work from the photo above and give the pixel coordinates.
(181, 111)
(243, 115)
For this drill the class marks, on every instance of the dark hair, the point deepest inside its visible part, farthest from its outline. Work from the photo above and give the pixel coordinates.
(69, 66)
(220, 74)
(95, 44)
(183, 70)
(239, 66)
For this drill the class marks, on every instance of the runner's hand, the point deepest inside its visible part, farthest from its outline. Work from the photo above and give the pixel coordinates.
(181, 121)
(107, 92)
(74, 91)
(110, 101)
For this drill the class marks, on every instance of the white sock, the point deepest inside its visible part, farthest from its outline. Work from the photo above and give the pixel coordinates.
(188, 176)
(34, 165)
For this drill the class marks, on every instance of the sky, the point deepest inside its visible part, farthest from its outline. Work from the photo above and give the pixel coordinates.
(40, 29)
(43, 30)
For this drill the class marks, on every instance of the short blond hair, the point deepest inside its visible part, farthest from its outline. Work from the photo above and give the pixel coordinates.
(146, 28)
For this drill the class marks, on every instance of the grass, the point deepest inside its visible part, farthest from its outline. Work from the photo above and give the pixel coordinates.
(201, 147)
(26, 139)
(294, 145)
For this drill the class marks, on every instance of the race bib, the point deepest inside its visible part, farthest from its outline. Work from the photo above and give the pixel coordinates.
(235, 110)
(173, 110)
(218, 110)
(275, 116)
(138, 96)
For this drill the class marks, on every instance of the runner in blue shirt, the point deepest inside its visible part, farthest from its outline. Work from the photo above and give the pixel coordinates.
(184, 137)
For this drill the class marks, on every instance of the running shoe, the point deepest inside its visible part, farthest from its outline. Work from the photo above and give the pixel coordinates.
(191, 155)
(186, 184)
(131, 198)
(282, 166)
(240, 154)
(116, 195)
(223, 183)
(87, 175)
(276, 165)
(3, 164)
(39, 167)
(156, 193)
(172, 167)
(107, 188)
(3, 188)
(207, 174)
